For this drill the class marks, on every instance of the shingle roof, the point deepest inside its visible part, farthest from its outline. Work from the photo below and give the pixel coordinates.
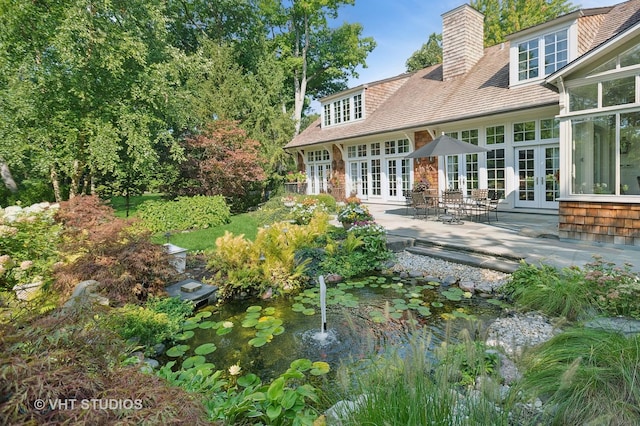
(425, 100)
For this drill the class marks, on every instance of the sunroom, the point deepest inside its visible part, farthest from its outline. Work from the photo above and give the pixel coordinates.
(600, 143)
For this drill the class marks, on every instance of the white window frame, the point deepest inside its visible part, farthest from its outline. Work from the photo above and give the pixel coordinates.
(572, 52)
(342, 110)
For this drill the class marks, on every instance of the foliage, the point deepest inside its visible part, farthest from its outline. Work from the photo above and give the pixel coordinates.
(68, 356)
(616, 289)
(102, 93)
(158, 321)
(572, 292)
(354, 212)
(319, 59)
(374, 239)
(221, 160)
(245, 399)
(502, 18)
(429, 54)
(28, 246)
(382, 390)
(296, 177)
(101, 247)
(243, 266)
(473, 358)
(303, 211)
(586, 377)
(184, 213)
(550, 290)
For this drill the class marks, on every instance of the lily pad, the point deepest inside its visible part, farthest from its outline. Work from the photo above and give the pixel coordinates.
(298, 307)
(205, 349)
(319, 368)
(269, 311)
(309, 311)
(437, 304)
(185, 335)
(254, 308)
(258, 342)
(177, 350)
(193, 361)
(249, 322)
(224, 330)
(207, 324)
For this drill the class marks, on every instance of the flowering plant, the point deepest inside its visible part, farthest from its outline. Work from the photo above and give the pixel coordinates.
(302, 213)
(421, 186)
(353, 212)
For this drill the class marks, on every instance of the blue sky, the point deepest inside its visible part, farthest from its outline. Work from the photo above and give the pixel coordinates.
(400, 27)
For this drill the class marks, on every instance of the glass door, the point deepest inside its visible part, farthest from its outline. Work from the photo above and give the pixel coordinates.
(398, 177)
(537, 169)
(359, 178)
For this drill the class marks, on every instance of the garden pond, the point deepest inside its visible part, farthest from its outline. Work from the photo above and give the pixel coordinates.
(364, 316)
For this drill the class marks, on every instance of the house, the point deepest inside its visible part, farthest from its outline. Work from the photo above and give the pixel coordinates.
(557, 106)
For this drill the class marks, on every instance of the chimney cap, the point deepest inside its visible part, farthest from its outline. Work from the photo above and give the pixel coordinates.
(463, 6)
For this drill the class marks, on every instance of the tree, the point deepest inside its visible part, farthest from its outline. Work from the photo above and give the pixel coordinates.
(504, 17)
(429, 54)
(501, 18)
(92, 90)
(319, 59)
(222, 160)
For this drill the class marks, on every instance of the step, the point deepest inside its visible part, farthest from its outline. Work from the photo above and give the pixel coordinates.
(466, 257)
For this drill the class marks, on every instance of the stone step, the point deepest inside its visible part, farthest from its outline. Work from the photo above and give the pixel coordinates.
(466, 257)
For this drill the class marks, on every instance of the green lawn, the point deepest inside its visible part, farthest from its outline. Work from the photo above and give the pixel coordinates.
(203, 239)
(119, 204)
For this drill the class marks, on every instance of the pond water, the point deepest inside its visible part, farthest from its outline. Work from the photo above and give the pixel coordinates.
(364, 316)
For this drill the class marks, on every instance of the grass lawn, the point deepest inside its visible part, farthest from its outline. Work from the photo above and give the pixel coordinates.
(204, 239)
(119, 204)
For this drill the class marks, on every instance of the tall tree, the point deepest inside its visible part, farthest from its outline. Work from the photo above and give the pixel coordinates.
(92, 88)
(319, 59)
(429, 54)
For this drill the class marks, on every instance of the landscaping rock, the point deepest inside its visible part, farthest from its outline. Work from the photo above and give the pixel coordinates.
(85, 292)
(469, 286)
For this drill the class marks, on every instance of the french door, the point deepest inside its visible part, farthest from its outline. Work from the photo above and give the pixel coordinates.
(359, 178)
(537, 169)
(398, 177)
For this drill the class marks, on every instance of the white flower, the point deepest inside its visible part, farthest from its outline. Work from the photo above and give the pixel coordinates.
(234, 370)
(227, 324)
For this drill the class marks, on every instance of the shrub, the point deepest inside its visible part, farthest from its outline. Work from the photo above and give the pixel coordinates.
(616, 289)
(28, 247)
(101, 247)
(374, 239)
(586, 377)
(185, 213)
(303, 211)
(555, 292)
(147, 326)
(65, 356)
(354, 212)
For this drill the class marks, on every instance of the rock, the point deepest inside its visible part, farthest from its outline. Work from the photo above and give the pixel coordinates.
(415, 274)
(469, 286)
(341, 410)
(85, 293)
(159, 348)
(151, 363)
(626, 326)
(449, 281)
(333, 279)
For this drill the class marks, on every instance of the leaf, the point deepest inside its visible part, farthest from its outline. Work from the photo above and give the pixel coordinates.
(224, 330)
(177, 350)
(269, 311)
(207, 324)
(193, 361)
(301, 364)
(254, 308)
(257, 342)
(319, 368)
(274, 411)
(248, 323)
(309, 311)
(289, 399)
(205, 349)
(187, 334)
(276, 389)
(437, 304)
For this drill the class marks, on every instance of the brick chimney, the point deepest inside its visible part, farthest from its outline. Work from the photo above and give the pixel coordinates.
(462, 40)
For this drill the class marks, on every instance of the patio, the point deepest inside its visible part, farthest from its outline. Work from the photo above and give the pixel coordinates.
(516, 235)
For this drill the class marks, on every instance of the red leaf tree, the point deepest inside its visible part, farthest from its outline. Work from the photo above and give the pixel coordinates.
(222, 160)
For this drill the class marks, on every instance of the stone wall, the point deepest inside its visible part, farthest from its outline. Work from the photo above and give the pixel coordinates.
(613, 223)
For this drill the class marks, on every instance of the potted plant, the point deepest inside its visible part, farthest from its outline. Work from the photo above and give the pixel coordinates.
(354, 212)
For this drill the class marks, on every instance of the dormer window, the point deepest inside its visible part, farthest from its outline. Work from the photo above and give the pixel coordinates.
(342, 110)
(542, 54)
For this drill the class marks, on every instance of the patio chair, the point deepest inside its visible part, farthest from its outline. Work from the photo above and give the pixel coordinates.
(494, 197)
(418, 203)
(453, 207)
(478, 203)
(408, 202)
